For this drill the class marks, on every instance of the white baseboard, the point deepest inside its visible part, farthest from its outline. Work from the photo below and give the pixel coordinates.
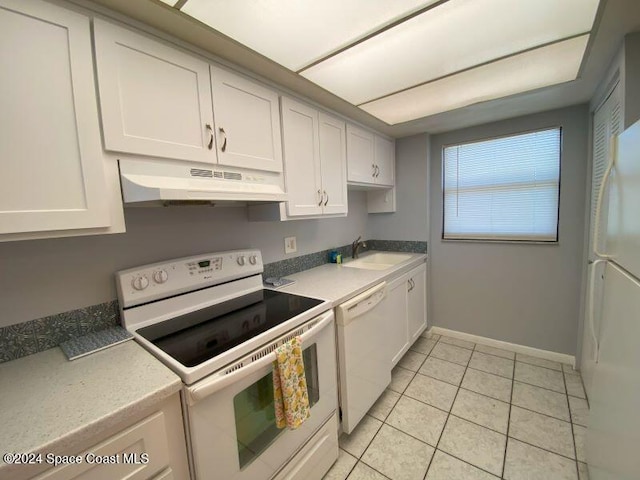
(514, 347)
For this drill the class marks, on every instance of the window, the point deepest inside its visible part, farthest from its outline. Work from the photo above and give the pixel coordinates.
(503, 189)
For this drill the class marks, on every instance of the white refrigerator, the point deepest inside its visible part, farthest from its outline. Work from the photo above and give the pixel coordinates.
(613, 434)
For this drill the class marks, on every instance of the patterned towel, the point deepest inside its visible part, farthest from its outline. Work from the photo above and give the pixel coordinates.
(291, 399)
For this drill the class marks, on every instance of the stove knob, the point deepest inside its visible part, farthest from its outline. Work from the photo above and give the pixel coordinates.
(253, 259)
(160, 276)
(241, 260)
(140, 282)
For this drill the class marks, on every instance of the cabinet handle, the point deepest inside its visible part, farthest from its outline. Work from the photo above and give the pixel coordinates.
(224, 143)
(210, 130)
(327, 200)
(321, 198)
(374, 170)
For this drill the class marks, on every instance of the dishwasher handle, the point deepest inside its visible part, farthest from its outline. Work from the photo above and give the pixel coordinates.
(360, 304)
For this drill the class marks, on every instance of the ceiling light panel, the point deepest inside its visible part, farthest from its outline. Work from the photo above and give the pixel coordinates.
(550, 65)
(295, 33)
(453, 36)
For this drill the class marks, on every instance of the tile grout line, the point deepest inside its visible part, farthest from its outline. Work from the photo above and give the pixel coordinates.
(573, 433)
(543, 449)
(449, 412)
(510, 402)
(359, 459)
(506, 443)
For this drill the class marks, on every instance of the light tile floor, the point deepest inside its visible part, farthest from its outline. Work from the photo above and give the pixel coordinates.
(456, 411)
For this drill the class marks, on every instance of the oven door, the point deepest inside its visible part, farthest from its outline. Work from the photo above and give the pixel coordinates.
(231, 416)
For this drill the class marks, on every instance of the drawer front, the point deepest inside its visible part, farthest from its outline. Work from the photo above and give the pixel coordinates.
(124, 452)
(316, 457)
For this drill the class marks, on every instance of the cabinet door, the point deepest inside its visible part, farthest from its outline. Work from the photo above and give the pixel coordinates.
(148, 437)
(155, 99)
(396, 319)
(301, 158)
(333, 161)
(384, 155)
(51, 172)
(247, 122)
(417, 302)
(360, 160)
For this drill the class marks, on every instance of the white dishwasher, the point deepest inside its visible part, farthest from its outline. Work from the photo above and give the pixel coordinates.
(364, 367)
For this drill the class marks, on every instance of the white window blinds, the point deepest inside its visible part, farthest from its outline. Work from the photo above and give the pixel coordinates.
(503, 189)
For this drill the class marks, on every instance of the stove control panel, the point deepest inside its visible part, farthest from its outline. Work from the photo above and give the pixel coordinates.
(165, 279)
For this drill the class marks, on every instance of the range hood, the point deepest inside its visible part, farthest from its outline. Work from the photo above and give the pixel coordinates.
(174, 182)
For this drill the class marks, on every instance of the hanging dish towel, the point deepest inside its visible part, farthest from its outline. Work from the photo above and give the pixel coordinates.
(291, 399)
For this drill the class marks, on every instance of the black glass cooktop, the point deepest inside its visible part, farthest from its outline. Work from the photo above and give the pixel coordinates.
(198, 336)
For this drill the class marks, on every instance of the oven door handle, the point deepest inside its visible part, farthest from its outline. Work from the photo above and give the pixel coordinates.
(206, 388)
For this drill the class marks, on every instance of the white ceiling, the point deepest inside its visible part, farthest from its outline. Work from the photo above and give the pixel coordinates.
(389, 58)
(615, 18)
(295, 33)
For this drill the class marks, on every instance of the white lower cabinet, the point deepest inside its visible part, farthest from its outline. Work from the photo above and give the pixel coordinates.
(151, 449)
(406, 311)
(417, 302)
(397, 327)
(54, 176)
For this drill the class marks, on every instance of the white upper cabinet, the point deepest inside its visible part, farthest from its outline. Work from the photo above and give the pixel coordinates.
(333, 158)
(302, 159)
(315, 161)
(52, 172)
(247, 122)
(360, 147)
(370, 158)
(155, 99)
(384, 159)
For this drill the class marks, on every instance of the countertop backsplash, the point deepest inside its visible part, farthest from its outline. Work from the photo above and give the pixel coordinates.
(41, 334)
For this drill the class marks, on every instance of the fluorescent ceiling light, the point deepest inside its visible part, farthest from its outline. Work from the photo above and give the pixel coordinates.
(295, 33)
(549, 65)
(454, 36)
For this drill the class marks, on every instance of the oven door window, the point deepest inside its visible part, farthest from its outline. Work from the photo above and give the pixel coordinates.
(254, 411)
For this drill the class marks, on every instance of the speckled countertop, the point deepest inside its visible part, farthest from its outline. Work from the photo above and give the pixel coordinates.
(51, 404)
(337, 283)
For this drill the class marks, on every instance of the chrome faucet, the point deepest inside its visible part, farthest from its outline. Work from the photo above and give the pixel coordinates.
(355, 246)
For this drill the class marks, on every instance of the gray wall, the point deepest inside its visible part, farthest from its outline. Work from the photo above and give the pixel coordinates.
(522, 293)
(43, 277)
(632, 79)
(410, 221)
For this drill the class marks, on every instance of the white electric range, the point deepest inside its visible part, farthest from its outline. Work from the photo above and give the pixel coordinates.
(210, 320)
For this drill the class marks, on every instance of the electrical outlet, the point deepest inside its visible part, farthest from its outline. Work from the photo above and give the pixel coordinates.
(290, 245)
